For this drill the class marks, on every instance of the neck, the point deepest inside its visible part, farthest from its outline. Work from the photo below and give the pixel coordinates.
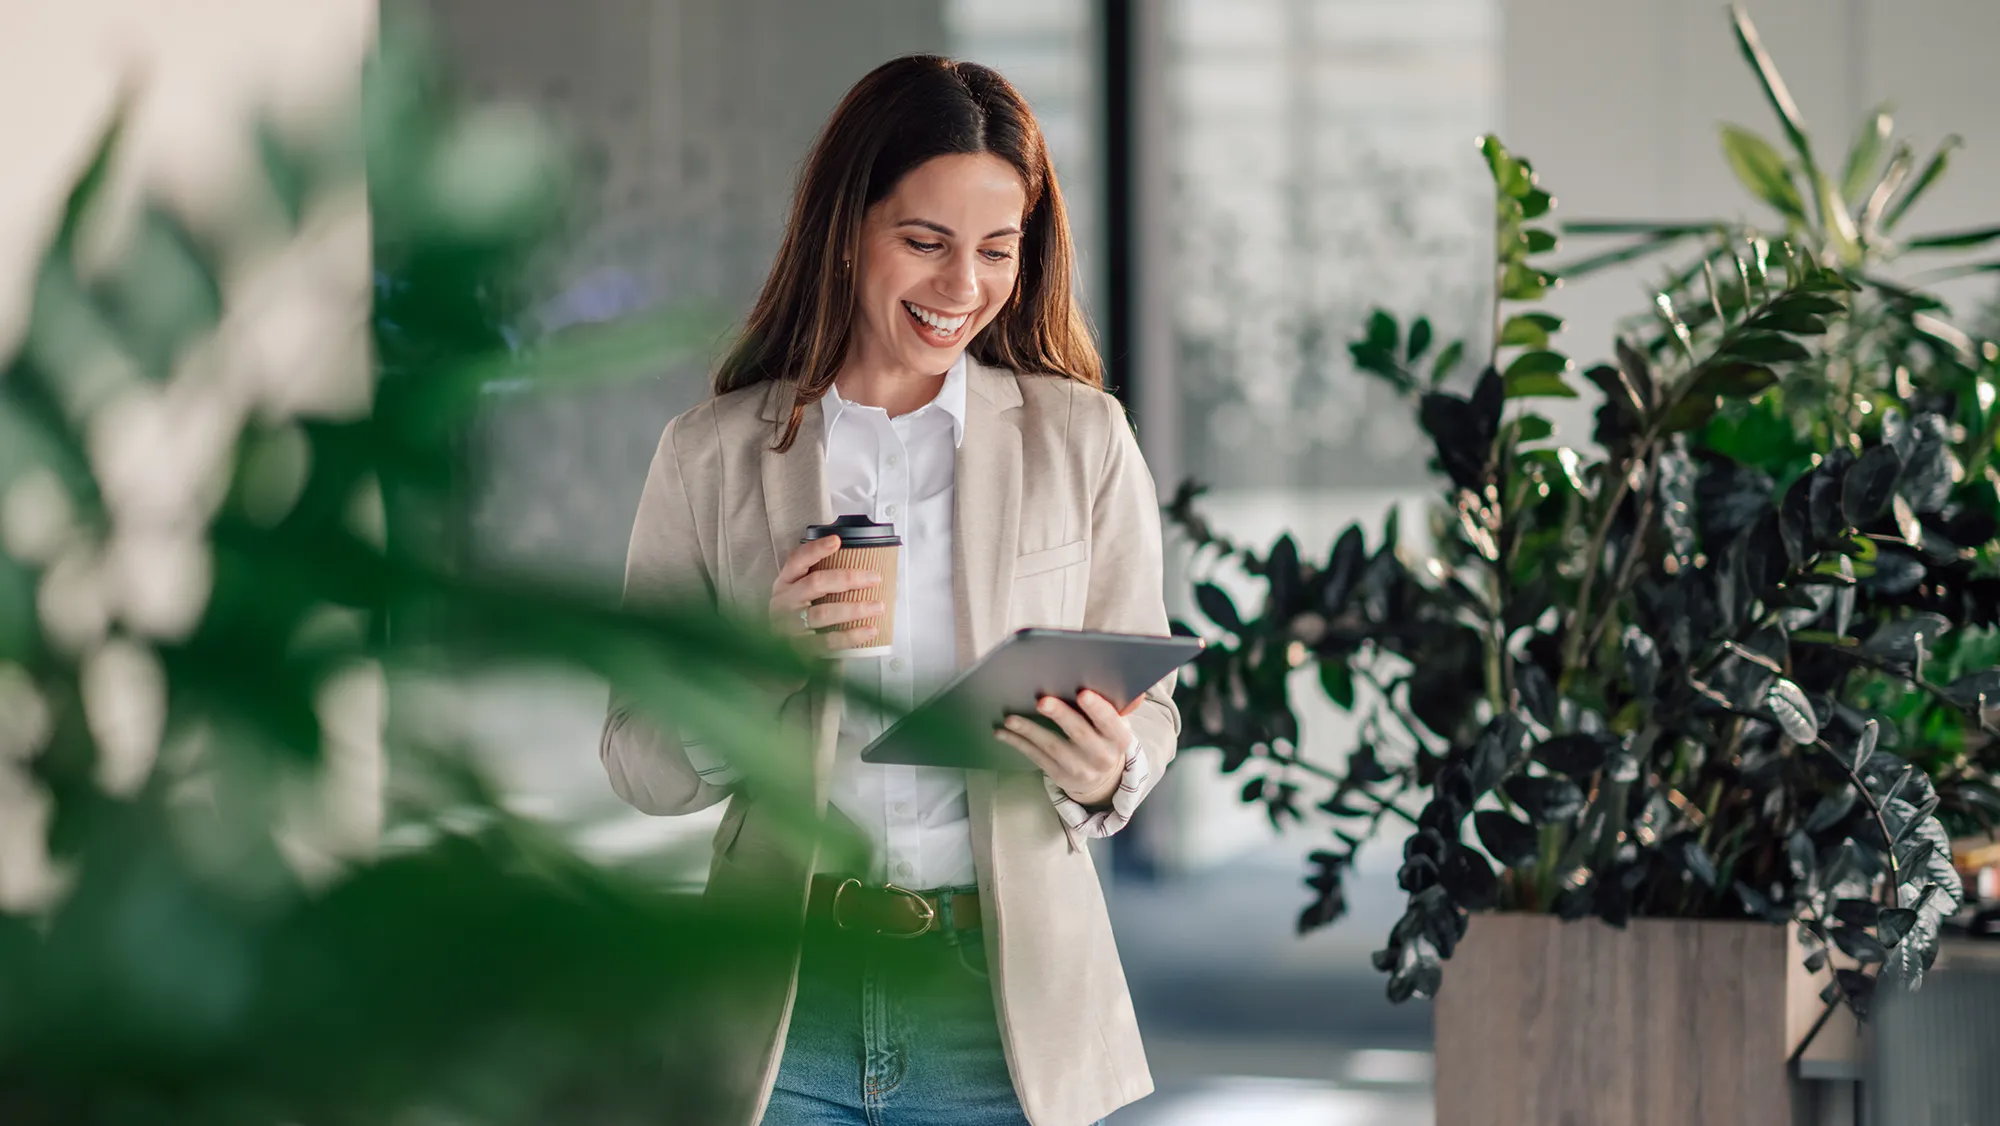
(896, 390)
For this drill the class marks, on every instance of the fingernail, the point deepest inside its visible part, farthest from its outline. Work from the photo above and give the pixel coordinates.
(1047, 705)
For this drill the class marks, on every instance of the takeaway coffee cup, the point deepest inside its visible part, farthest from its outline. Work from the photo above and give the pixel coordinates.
(864, 546)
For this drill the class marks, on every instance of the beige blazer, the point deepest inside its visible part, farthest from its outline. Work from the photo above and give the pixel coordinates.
(1057, 524)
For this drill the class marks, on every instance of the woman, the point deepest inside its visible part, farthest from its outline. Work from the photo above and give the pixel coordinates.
(917, 355)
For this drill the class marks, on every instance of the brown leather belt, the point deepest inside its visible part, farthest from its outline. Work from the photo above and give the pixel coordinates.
(889, 912)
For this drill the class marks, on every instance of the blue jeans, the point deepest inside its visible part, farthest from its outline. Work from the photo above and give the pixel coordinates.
(890, 1032)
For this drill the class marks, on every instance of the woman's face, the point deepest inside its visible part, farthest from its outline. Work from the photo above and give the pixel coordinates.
(939, 256)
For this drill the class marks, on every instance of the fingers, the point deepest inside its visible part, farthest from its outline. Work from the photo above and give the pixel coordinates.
(848, 638)
(826, 614)
(797, 596)
(1016, 733)
(1074, 724)
(1104, 713)
(804, 556)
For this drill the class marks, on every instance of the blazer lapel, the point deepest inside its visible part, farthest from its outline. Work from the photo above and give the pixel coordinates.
(794, 488)
(794, 481)
(986, 518)
(986, 513)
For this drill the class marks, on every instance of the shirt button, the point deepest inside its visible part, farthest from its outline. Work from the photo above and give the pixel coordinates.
(902, 807)
(893, 459)
(890, 511)
(895, 664)
(904, 871)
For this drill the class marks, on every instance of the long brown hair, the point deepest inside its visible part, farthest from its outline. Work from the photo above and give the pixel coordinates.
(902, 114)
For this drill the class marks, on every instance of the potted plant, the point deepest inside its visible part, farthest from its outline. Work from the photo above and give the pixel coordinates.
(1710, 679)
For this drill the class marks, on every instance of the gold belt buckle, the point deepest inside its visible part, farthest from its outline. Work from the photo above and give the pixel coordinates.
(930, 912)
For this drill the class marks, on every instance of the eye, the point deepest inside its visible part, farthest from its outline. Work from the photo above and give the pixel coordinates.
(922, 247)
(997, 255)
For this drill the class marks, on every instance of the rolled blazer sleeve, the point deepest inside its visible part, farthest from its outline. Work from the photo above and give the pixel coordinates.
(652, 767)
(1127, 595)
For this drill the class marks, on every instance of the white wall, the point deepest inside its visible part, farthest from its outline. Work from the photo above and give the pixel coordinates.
(1618, 104)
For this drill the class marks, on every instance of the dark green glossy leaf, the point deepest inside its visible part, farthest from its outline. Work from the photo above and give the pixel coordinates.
(1539, 241)
(1536, 204)
(1894, 923)
(1868, 485)
(1788, 705)
(1383, 332)
(1577, 755)
(1469, 879)
(1767, 348)
(1544, 800)
(1420, 339)
(1338, 680)
(1219, 608)
(1511, 843)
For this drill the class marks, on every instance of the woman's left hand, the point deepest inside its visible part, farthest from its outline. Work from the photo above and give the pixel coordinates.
(1088, 759)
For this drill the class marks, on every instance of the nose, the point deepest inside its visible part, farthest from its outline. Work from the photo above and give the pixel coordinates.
(958, 280)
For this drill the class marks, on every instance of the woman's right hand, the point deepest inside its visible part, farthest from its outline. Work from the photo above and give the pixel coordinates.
(798, 586)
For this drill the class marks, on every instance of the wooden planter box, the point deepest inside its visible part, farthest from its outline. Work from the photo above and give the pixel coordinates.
(1668, 1022)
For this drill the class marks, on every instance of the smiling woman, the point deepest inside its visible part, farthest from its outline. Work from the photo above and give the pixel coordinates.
(917, 360)
(929, 187)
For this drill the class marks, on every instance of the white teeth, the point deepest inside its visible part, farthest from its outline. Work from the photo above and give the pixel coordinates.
(942, 324)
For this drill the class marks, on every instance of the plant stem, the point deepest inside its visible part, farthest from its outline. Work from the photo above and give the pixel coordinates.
(1408, 724)
(1625, 566)
(1592, 560)
(1893, 895)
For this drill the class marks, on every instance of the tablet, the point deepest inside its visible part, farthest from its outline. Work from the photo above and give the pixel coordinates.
(954, 728)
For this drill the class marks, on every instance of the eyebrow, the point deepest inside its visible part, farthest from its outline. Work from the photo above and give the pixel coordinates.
(947, 232)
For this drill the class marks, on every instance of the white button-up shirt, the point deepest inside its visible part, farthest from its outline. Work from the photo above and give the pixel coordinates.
(902, 471)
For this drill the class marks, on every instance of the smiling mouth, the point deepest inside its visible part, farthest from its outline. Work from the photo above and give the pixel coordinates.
(935, 327)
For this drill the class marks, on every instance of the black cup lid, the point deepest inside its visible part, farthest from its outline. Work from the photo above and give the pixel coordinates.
(855, 531)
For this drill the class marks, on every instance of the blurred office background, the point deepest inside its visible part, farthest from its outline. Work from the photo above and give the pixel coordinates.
(1247, 178)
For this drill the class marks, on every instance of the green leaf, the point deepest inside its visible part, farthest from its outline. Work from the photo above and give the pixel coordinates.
(1539, 241)
(1420, 338)
(1651, 244)
(1767, 348)
(1525, 332)
(1955, 240)
(1524, 284)
(1446, 361)
(1933, 169)
(1838, 225)
(1536, 204)
(1338, 680)
(1533, 428)
(1763, 171)
(1539, 385)
(1865, 156)
(1538, 363)
(1383, 331)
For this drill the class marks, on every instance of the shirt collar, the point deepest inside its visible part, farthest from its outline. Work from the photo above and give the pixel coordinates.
(950, 399)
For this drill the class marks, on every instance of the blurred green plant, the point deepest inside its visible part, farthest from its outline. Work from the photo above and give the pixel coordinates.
(226, 533)
(1735, 660)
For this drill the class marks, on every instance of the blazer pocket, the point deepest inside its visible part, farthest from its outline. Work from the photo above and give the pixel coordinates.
(1051, 559)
